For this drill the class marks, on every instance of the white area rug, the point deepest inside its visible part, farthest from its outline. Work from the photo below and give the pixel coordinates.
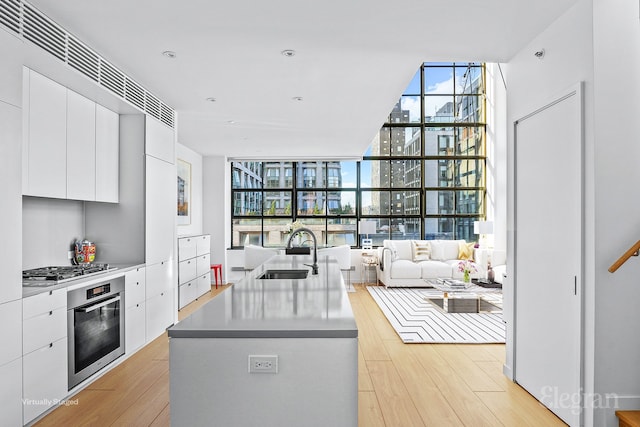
(417, 320)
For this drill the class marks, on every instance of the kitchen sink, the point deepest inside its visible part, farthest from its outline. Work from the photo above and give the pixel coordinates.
(284, 274)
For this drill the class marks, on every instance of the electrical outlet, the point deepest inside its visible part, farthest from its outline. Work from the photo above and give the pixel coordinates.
(263, 364)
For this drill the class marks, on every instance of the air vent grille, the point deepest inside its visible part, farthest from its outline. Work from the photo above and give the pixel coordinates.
(10, 15)
(83, 59)
(25, 20)
(43, 32)
(134, 94)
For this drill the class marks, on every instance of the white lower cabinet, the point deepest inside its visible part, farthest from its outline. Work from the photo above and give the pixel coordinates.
(188, 292)
(44, 346)
(134, 315)
(135, 329)
(159, 299)
(194, 267)
(204, 284)
(11, 393)
(44, 378)
(159, 314)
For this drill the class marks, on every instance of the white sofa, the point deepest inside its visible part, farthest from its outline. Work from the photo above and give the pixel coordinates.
(398, 267)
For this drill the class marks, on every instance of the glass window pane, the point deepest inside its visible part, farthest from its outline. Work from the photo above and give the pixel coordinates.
(439, 141)
(439, 108)
(470, 173)
(247, 175)
(383, 231)
(246, 232)
(439, 173)
(469, 79)
(414, 85)
(470, 141)
(348, 175)
(375, 203)
(440, 202)
(312, 202)
(405, 203)
(438, 228)
(341, 231)
(247, 203)
(406, 110)
(469, 202)
(274, 233)
(275, 174)
(374, 173)
(405, 229)
(405, 173)
(438, 79)
(464, 229)
(399, 141)
(311, 174)
(277, 203)
(341, 202)
(318, 226)
(469, 109)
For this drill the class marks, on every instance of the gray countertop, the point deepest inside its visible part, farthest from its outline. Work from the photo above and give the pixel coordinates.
(315, 307)
(119, 270)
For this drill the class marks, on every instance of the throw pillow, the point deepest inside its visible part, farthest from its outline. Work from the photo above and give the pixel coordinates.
(421, 250)
(465, 250)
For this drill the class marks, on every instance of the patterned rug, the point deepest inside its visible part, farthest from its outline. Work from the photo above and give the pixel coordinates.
(418, 320)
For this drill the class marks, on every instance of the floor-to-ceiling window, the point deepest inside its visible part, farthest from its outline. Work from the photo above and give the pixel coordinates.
(422, 177)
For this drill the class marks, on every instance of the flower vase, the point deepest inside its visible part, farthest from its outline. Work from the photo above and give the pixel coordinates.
(467, 276)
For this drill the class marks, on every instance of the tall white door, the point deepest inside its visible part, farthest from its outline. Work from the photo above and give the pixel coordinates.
(548, 254)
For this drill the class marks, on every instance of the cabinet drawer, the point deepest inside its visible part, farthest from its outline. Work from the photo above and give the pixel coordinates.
(202, 264)
(188, 270)
(159, 314)
(204, 284)
(44, 303)
(45, 378)
(134, 287)
(186, 248)
(134, 322)
(11, 393)
(41, 330)
(203, 244)
(188, 292)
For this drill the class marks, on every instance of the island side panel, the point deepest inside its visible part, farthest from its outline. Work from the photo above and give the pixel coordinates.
(316, 383)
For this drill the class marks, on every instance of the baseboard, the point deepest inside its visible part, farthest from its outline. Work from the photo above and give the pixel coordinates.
(507, 371)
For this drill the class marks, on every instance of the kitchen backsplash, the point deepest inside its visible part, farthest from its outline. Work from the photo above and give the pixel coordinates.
(49, 227)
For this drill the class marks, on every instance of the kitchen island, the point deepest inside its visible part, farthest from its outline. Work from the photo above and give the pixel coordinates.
(269, 352)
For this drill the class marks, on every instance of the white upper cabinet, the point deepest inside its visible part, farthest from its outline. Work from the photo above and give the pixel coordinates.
(45, 137)
(81, 147)
(71, 144)
(107, 155)
(159, 141)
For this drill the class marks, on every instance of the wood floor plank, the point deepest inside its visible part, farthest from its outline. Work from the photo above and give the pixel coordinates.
(163, 419)
(481, 352)
(476, 379)
(368, 338)
(377, 318)
(369, 413)
(155, 399)
(518, 409)
(469, 408)
(431, 404)
(395, 402)
(364, 380)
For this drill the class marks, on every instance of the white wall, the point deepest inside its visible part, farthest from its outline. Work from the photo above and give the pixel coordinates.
(216, 210)
(616, 205)
(598, 42)
(187, 154)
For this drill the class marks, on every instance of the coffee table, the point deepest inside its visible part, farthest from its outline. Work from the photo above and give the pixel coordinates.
(460, 298)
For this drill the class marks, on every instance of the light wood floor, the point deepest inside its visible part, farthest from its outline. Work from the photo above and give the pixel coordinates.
(399, 384)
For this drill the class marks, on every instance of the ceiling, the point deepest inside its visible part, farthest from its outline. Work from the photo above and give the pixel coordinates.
(352, 61)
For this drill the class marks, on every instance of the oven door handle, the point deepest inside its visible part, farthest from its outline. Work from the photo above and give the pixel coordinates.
(101, 304)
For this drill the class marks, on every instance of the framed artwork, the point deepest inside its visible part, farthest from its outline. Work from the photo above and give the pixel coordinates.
(184, 192)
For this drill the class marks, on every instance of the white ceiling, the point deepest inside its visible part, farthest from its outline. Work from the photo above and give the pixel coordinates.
(353, 59)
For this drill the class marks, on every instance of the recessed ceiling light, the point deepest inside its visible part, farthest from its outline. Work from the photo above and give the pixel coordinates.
(288, 53)
(297, 98)
(231, 122)
(211, 99)
(169, 54)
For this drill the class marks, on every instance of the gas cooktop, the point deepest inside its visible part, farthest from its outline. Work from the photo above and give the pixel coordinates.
(48, 276)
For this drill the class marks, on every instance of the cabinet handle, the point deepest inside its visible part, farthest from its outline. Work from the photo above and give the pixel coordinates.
(50, 344)
(137, 283)
(51, 313)
(50, 292)
(137, 305)
(161, 294)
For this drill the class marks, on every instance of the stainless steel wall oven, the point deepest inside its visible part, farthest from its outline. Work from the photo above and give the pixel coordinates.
(96, 328)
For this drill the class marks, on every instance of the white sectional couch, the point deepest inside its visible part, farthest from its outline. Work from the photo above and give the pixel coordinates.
(400, 267)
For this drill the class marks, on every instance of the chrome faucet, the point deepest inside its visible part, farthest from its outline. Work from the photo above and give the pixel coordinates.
(297, 231)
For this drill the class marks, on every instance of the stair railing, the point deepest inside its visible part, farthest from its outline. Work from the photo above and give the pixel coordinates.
(633, 251)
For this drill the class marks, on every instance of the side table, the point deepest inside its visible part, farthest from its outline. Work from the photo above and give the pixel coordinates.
(369, 262)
